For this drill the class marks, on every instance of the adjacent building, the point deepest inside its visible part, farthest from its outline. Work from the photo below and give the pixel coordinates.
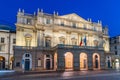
(7, 41)
(115, 49)
(60, 42)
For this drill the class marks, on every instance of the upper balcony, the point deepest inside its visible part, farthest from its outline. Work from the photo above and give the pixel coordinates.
(59, 46)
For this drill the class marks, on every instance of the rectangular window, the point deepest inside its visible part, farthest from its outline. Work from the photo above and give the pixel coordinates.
(48, 56)
(48, 43)
(74, 25)
(17, 64)
(2, 40)
(62, 23)
(14, 41)
(114, 41)
(74, 42)
(29, 21)
(47, 21)
(28, 42)
(116, 53)
(115, 47)
(2, 47)
(39, 62)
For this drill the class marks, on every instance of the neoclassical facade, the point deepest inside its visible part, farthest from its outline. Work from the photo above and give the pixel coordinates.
(7, 41)
(60, 42)
(114, 48)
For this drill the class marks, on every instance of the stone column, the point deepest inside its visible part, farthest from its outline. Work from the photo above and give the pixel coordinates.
(38, 38)
(23, 37)
(79, 39)
(54, 38)
(42, 38)
(90, 40)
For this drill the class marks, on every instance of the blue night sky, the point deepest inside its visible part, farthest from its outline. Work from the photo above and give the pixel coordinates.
(108, 11)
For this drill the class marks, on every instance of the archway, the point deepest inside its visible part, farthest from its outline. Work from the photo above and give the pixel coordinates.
(48, 61)
(2, 63)
(117, 65)
(96, 61)
(55, 61)
(83, 61)
(108, 62)
(68, 60)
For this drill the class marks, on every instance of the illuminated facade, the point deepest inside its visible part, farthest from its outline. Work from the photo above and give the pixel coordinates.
(114, 48)
(7, 41)
(68, 42)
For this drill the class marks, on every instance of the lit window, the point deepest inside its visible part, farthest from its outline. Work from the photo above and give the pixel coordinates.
(28, 21)
(28, 42)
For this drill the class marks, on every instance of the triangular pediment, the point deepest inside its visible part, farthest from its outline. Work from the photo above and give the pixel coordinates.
(74, 17)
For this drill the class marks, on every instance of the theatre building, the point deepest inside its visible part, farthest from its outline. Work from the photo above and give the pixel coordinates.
(60, 42)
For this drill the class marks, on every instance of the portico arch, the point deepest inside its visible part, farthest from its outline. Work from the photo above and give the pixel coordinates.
(2, 63)
(68, 60)
(27, 62)
(96, 61)
(83, 61)
(108, 61)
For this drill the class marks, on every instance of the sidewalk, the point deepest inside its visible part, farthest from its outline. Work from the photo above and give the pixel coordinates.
(16, 73)
(20, 73)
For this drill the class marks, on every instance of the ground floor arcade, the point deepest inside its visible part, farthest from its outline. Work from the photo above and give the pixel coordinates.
(61, 59)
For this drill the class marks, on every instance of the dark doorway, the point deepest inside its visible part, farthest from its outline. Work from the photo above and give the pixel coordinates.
(27, 64)
(108, 63)
(2, 63)
(96, 61)
(48, 64)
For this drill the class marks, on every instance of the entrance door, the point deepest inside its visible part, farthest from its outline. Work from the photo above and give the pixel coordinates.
(27, 64)
(96, 63)
(2, 63)
(108, 63)
(48, 64)
(68, 61)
